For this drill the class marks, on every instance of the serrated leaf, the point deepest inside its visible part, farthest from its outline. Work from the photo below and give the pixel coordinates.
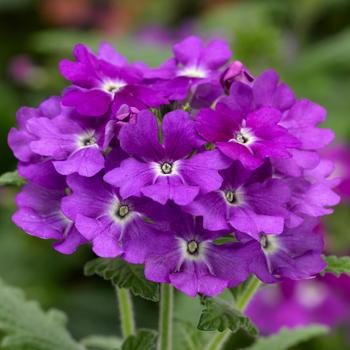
(26, 326)
(287, 338)
(337, 265)
(101, 342)
(124, 275)
(11, 178)
(143, 340)
(219, 315)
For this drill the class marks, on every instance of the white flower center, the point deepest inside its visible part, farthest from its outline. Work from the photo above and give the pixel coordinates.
(87, 139)
(269, 244)
(113, 86)
(244, 137)
(233, 197)
(192, 72)
(166, 168)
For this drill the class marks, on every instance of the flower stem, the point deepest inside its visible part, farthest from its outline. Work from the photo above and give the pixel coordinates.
(219, 340)
(166, 317)
(252, 287)
(126, 312)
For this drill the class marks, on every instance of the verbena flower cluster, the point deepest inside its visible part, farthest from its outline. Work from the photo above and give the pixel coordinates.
(197, 169)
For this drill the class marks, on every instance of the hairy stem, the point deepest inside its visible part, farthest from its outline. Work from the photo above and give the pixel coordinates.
(252, 287)
(219, 340)
(166, 317)
(126, 312)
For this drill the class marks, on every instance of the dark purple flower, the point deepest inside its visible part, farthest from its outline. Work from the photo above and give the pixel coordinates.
(40, 215)
(114, 226)
(187, 257)
(293, 254)
(165, 171)
(105, 80)
(246, 201)
(249, 138)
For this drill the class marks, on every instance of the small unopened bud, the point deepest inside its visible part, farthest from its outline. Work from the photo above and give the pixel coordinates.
(236, 71)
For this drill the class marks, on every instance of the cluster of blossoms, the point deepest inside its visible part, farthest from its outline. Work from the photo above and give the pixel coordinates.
(323, 300)
(197, 169)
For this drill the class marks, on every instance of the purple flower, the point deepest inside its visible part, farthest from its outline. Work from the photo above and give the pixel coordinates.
(40, 214)
(247, 201)
(104, 81)
(292, 304)
(313, 194)
(114, 226)
(193, 64)
(300, 118)
(74, 145)
(302, 121)
(235, 72)
(340, 155)
(249, 138)
(294, 254)
(165, 171)
(19, 139)
(188, 258)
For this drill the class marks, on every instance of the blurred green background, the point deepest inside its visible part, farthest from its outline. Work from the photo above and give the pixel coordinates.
(307, 41)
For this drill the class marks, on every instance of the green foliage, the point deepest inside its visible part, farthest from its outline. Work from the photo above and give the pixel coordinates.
(26, 326)
(287, 338)
(124, 275)
(219, 315)
(11, 178)
(143, 340)
(337, 265)
(101, 342)
(187, 337)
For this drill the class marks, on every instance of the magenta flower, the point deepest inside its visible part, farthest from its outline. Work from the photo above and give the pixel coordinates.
(104, 81)
(249, 138)
(323, 300)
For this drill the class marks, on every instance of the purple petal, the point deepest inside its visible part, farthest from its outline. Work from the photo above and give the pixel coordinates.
(202, 170)
(88, 103)
(141, 139)
(130, 177)
(87, 161)
(179, 135)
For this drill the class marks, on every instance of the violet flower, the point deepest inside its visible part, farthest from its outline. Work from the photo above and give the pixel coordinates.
(165, 171)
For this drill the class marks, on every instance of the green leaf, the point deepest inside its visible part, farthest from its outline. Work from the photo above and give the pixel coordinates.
(188, 337)
(287, 338)
(26, 326)
(11, 178)
(124, 275)
(101, 342)
(143, 340)
(337, 265)
(219, 315)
